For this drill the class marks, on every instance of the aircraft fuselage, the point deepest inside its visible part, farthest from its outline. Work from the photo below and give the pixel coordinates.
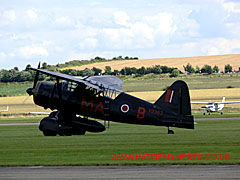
(87, 103)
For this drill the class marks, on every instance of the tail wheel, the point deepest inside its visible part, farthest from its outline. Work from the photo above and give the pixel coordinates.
(170, 131)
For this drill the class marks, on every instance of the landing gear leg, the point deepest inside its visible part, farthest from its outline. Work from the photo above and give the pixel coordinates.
(170, 131)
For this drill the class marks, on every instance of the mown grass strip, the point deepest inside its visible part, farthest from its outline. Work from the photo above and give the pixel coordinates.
(25, 145)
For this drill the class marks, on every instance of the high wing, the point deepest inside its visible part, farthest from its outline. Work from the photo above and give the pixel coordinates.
(201, 103)
(96, 82)
(226, 102)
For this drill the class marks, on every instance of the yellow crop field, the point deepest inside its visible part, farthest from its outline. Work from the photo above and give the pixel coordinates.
(231, 94)
(201, 95)
(18, 105)
(219, 60)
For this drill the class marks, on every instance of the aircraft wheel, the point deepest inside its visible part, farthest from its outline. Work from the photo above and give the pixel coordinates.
(204, 114)
(45, 133)
(170, 131)
(221, 113)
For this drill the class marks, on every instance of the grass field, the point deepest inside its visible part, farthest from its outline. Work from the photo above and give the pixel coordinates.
(159, 82)
(219, 60)
(25, 145)
(14, 89)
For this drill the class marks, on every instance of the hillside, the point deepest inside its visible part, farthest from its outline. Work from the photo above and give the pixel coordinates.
(219, 60)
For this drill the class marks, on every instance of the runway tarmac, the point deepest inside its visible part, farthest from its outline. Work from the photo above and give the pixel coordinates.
(122, 172)
(221, 118)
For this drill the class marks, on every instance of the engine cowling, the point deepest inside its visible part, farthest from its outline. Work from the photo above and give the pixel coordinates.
(43, 94)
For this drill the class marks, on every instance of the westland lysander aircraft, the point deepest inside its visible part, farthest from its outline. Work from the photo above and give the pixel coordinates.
(74, 100)
(6, 110)
(215, 106)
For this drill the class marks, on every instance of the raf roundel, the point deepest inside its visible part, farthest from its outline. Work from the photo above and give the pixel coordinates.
(124, 108)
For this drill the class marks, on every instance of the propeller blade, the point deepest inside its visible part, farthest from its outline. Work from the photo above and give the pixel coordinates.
(36, 77)
(26, 98)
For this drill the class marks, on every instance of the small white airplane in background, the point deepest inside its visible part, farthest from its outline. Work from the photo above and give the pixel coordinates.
(215, 106)
(6, 110)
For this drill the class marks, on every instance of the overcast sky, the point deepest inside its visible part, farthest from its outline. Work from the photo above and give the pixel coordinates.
(56, 31)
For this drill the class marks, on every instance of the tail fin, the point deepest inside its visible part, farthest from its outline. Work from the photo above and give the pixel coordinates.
(223, 99)
(176, 100)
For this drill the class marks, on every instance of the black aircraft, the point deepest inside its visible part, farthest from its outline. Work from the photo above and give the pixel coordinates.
(73, 100)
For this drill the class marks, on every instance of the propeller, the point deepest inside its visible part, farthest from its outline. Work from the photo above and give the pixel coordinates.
(31, 90)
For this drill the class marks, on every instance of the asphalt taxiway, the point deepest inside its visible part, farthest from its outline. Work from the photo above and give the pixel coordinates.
(121, 172)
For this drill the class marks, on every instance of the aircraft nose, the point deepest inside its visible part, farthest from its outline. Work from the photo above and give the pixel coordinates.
(30, 91)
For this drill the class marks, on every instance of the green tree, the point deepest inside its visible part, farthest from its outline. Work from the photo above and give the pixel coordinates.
(157, 69)
(189, 69)
(207, 69)
(123, 71)
(127, 71)
(44, 65)
(133, 70)
(108, 70)
(16, 68)
(175, 73)
(198, 70)
(227, 68)
(141, 70)
(25, 76)
(166, 69)
(97, 71)
(116, 72)
(28, 67)
(215, 69)
(88, 72)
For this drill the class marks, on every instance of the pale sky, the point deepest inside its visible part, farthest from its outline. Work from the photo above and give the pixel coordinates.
(56, 31)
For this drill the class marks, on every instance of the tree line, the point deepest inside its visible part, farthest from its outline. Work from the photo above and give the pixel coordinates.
(14, 75)
(91, 61)
(157, 69)
(207, 69)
